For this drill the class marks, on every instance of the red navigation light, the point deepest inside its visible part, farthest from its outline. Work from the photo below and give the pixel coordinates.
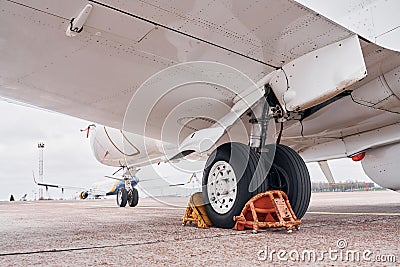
(358, 156)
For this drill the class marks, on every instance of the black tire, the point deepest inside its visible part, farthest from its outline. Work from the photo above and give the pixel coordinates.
(133, 198)
(243, 161)
(289, 173)
(122, 197)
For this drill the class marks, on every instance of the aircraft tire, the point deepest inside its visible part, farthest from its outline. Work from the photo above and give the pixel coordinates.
(226, 179)
(134, 198)
(122, 197)
(289, 173)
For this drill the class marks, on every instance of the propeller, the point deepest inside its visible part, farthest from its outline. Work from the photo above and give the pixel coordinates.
(115, 178)
(132, 170)
(121, 167)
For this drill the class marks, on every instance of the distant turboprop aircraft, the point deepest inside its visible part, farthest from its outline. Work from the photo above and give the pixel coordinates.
(123, 188)
(97, 190)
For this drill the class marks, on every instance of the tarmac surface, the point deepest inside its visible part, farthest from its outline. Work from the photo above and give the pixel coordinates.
(341, 229)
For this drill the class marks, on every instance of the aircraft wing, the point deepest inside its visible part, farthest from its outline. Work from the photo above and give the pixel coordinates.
(88, 58)
(114, 178)
(94, 191)
(122, 179)
(94, 74)
(47, 185)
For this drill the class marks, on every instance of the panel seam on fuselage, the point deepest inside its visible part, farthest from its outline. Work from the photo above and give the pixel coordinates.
(183, 33)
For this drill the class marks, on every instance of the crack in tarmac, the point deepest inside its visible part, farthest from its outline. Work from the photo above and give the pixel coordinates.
(115, 246)
(154, 242)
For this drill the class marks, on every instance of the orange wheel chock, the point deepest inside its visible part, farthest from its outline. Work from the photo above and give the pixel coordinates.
(270, 209)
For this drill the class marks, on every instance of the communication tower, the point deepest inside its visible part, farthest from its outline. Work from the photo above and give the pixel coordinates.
(41, 148)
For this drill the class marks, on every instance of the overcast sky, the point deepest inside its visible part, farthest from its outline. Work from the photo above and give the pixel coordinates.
(68, 159)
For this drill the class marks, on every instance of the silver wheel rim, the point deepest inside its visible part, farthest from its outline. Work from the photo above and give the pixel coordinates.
(119, 196)
(222, 187)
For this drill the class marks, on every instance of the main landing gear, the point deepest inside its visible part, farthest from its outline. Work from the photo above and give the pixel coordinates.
(235, 172)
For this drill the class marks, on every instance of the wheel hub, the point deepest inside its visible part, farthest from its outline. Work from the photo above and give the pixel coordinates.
(222, 187)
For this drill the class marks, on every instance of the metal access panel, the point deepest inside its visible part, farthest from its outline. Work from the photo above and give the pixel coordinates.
(319, 75)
